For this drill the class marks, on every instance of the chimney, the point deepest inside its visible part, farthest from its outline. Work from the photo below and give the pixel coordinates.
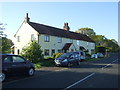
(66, 27)
(27, 19)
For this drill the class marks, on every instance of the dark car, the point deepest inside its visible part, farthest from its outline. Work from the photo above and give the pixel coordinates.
(15, 64)
(68, 59)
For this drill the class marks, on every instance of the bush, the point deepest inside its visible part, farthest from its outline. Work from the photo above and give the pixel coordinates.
(56, 55)
(32, 52)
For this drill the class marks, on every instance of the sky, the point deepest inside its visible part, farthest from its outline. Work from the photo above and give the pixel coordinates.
(102, 17)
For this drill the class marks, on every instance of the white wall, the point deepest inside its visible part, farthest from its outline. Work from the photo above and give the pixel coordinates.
(24, 32)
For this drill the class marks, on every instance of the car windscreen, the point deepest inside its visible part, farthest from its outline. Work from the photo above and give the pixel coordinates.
(65, 55)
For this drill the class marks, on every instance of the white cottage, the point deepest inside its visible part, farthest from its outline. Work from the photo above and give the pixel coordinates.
(51, 39)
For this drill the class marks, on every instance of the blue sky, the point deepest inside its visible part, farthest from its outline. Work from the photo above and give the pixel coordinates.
(102, 17)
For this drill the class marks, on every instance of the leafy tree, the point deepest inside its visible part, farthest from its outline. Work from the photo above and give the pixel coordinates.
(32, 52)
(6, 45)
(87, 31)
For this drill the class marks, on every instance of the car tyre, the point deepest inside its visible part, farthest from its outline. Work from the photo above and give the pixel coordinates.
(2, 77)
(69, 64)
(31, 72)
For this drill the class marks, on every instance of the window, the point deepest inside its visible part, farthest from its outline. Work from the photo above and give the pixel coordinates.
(17, 59)
(71, 41)
(46, 38)
(78, 42)
(46, 52)
(87, 44)
(52, 52)
(59, 51)
(32, 37)
(7, 59)
(18, 38)
(59, 40)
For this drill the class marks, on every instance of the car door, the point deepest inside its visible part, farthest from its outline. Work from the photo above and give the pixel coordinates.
(19, 64)
(72, 58)
(76, 57)
(7, 64)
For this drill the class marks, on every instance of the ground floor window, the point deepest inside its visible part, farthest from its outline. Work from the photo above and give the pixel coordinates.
(59, 50)
(52, 52)
(46, 52)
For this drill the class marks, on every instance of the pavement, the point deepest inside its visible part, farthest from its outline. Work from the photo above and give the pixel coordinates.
(102, 74)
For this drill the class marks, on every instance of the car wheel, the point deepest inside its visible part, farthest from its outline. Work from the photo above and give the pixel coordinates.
(69, 64)
(31, 72)
(2, 77)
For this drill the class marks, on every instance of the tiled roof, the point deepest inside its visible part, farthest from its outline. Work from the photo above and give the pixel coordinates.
(53, 31)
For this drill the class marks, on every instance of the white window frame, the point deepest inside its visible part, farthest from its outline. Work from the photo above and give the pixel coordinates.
(59, 39)
(46, 38)
(71, 41)
(32, 37)
(78, 42)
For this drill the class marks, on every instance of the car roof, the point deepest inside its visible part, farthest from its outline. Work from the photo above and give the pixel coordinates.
(7, 54)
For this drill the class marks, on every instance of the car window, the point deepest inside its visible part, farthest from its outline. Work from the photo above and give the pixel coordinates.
(7, 59)
(72, 56)
(17, 59)
(82, 53)
(76, 54)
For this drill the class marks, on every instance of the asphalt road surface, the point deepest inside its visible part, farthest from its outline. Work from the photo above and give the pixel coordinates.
(102, 73)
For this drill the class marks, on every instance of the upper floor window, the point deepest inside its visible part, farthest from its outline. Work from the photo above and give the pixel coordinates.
(78, 42)
(46, 38)
(87, 44)
(18, 38)
(32, 37)
(59, 40)
(71, 41)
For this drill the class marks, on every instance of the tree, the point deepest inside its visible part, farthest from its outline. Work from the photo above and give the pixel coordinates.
(32, 52)
(87, 31)
(2, 28)
(6, 45)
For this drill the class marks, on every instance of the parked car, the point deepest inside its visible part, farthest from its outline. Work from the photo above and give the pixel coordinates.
(68, 59)
(82, 55)
(100, 55)
(94, 56)
(15, 64)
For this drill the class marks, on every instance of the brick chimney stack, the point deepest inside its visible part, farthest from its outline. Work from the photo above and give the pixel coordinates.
(66, 27)
(27, 19)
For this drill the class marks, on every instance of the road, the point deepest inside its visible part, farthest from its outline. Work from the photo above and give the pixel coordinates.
(102, 73)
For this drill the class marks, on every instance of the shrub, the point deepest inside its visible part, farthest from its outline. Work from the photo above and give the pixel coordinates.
(56, 55)
(32, 52)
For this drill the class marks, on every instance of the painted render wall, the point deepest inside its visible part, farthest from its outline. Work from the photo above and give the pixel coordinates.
(24, 32)
(53, 44)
